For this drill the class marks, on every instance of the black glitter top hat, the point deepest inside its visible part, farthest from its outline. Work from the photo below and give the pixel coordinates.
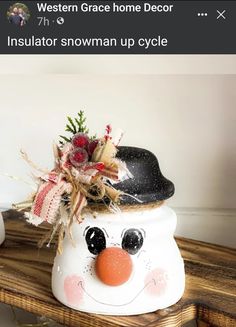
(148, 184)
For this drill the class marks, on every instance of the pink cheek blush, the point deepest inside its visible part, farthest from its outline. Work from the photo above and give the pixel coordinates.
(73, 289)
(157, 282)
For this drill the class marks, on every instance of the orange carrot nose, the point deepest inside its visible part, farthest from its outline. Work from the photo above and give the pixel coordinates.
(113, 266)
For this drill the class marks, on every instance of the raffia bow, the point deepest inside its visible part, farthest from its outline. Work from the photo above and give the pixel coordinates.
(65, 191)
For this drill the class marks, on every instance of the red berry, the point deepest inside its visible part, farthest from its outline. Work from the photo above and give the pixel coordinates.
(78, 157)
(92, 146)
(80, 140)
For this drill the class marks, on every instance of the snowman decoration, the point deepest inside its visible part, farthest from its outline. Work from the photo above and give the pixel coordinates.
(116, 251)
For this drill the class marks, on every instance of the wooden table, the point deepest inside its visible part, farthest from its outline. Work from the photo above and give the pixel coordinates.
(25, 276)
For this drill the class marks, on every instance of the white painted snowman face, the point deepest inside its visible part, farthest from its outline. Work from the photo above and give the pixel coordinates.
(122, 264)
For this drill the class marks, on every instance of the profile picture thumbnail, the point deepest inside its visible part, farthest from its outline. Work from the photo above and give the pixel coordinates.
(18, 14)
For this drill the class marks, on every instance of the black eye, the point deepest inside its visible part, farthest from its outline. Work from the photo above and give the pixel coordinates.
(96, 240)
(132, 241)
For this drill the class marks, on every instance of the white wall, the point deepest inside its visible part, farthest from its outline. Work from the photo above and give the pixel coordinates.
(117, 64)
(188, 121)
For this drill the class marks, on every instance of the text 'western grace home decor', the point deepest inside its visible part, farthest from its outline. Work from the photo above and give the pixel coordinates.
(105, 204)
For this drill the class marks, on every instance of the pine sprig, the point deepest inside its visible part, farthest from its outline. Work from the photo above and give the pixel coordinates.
(65, 138)
(71, 126)
(82, 128)
(74, 126)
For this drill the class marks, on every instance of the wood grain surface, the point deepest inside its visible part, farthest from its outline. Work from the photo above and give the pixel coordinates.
(25, 282)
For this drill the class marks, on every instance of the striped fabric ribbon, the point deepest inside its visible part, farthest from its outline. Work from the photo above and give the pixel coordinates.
(111, 173)
(48, 198)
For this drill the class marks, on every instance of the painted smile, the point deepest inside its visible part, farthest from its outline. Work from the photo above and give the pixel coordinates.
(152, 281)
